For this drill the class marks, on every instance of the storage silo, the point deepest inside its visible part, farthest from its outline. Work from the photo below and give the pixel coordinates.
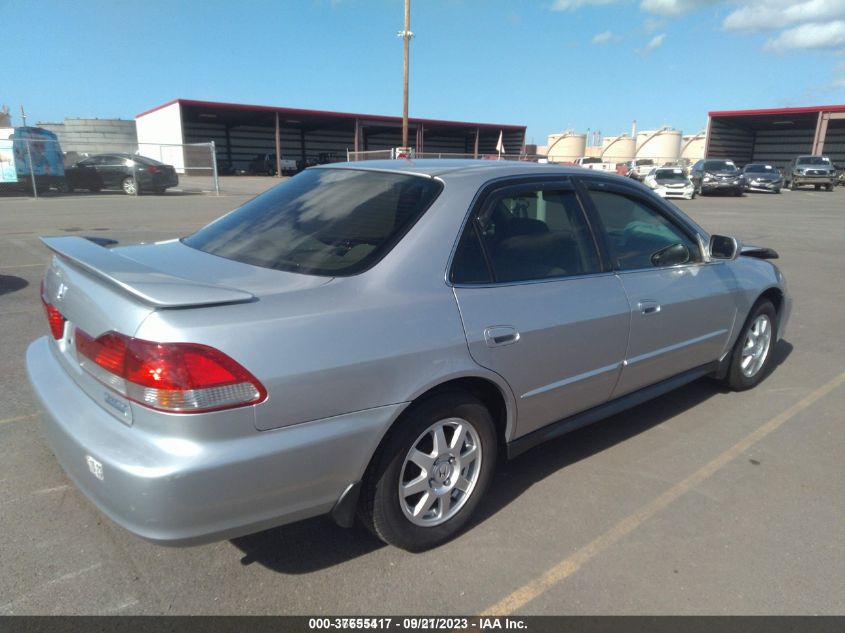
(662, 146)
(566, 147)
(618, 149)
(693, 147)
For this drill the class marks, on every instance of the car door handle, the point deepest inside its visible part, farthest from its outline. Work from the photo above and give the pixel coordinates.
(648, 307)
(497, 335)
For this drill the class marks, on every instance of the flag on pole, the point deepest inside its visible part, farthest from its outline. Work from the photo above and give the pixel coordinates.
(500, 145)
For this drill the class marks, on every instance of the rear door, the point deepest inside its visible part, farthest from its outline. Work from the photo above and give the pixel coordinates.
(681, 314)
(537, 303)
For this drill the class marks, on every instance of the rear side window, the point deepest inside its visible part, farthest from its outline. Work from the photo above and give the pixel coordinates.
(525, 235)
(331, 222)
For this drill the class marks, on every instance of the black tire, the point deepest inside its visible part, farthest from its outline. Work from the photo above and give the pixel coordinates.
(380, 507)
(736, 378)
(777, 190)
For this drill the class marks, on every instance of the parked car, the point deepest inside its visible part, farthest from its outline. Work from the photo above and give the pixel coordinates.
(131, 173)
(670, 182)
(711, 175)
(638, 168)
(810, 170)
(762, 177)
(81, 176)
(365, 338)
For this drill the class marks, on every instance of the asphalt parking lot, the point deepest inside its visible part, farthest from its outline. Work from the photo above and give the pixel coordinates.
(700, 502)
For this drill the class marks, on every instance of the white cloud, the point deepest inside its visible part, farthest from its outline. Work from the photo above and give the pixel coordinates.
(812, 35)
(653, 44)
(765, 15)
(605, 37)
(675, 7)
(571, 5)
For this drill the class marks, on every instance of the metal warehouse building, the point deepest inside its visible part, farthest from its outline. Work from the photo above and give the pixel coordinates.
(776, 136)
(240, 132)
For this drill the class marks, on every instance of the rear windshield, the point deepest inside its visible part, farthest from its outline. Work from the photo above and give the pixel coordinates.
(331, 222)
(145, 161)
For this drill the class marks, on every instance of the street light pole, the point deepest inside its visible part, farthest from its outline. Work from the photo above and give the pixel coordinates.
(406, 35)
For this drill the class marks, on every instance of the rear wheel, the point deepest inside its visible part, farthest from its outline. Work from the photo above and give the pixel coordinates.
(751, 354)
(431, 473)
(128, 186)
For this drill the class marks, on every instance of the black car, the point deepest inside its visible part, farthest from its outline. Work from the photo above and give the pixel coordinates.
(715, 174)
(130, 172)
(762, 177)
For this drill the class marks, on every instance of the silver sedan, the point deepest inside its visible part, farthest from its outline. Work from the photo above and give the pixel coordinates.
(367, 339)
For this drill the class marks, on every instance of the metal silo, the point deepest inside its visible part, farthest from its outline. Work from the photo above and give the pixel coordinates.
(693, 147)
(662, 146)
(618, 149)
(566, 147)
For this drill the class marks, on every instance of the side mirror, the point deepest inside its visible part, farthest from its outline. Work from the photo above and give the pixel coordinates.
(723, 247)
(671, 255)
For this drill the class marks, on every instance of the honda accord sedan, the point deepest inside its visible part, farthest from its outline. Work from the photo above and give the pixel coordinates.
(368, 339)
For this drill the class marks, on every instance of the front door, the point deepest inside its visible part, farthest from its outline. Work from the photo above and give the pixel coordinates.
(682, 312)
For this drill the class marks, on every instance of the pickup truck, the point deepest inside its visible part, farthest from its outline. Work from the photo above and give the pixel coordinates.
(266, 164)
(592, 162)
(810, 170)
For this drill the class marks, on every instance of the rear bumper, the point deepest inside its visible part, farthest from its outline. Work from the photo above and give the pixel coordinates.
(177, 491)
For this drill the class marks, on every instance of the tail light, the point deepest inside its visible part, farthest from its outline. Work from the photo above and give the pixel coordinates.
(173, 377)
(54, 317)
(152, 169)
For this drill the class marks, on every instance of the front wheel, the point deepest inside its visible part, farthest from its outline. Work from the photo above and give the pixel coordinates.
(129, 187)
(751, 354)
(431, 473)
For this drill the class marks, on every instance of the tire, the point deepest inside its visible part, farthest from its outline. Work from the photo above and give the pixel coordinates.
(777, 190)
(160, 191)
(410, 521)
(738, 193)
(128, 186)
(829, 187)
(752, 352)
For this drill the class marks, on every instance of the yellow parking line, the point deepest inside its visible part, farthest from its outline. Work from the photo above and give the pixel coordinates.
(29, 416)
(573, 563)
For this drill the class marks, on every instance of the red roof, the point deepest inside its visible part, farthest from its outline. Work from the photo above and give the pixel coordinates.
(779, 111)
(342, 115)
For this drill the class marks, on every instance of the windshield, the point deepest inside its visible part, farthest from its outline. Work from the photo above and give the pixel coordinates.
(644, 161)
(321, 222)
(813, 160)
(719, 165)
(672, 175)
(760, 169)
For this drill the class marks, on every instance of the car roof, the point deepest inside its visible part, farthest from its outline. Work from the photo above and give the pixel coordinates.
(434, 167)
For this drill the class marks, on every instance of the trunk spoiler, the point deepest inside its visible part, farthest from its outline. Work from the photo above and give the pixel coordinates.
(151, 286)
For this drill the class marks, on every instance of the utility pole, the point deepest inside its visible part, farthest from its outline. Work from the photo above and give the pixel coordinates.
(406, 35)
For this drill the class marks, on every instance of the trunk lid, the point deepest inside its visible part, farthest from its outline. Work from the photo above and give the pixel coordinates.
(99, 290)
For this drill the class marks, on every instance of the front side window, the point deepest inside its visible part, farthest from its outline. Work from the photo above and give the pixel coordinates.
(331, 222)
(526, 234)
(639, 236)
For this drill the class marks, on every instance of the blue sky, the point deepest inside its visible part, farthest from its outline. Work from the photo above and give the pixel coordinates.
(547, 64)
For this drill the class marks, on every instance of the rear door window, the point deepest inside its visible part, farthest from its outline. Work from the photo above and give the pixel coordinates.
(526, 234)
(331, 222)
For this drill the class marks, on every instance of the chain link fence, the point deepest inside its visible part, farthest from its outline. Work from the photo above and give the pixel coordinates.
(39, 166)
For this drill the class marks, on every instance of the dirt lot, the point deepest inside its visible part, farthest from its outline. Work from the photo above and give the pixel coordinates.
(699, 502)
